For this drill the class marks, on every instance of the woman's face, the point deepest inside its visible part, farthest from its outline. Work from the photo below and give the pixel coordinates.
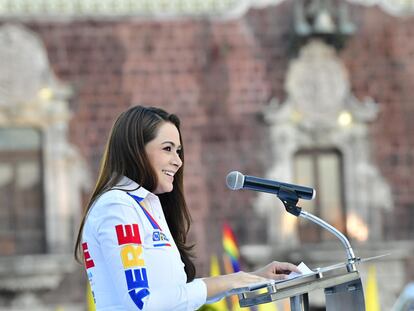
(163, 154)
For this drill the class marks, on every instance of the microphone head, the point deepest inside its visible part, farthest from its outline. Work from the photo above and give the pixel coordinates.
(235, 180)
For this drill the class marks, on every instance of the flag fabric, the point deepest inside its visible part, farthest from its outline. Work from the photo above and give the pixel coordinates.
(270, 306)
(228, 268)
(371, 291)
(215, 271)
(230, 247)
(231, 261)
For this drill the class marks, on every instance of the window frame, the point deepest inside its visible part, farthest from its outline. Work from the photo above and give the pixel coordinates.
(316, 233)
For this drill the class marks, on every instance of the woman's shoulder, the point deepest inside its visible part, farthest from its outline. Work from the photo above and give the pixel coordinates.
(112, 197)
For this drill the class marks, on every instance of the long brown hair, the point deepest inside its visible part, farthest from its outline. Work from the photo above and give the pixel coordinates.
(125, 156)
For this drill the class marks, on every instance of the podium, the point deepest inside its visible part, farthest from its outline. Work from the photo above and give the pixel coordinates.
(343, 290)
(341, 282)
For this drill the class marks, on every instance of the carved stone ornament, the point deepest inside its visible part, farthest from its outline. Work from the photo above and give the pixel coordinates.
(317, 91)
(110, 8)
(24, 65)
(171, 8)
(317, 84)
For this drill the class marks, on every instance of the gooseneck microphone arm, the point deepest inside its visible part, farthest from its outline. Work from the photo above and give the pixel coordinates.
(349, 251)
(290, 199)
(288, 194)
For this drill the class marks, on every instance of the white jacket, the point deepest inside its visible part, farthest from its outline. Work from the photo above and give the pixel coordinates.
(131, 259)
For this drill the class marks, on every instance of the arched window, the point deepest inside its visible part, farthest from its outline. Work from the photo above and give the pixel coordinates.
(321, 168)
(22, 227)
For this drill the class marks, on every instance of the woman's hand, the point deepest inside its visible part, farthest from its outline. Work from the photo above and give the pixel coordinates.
(241, 279)
(276, 270)
(223, 283)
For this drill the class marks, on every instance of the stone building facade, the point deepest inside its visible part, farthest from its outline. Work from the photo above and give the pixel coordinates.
(254, 95)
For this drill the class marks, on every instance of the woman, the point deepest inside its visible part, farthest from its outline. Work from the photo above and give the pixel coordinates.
(133, 234)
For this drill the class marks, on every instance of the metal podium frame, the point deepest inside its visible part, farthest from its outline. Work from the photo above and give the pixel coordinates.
(343, 290)
(341, 283)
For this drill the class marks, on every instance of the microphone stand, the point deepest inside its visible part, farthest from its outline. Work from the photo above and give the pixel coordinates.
(341, 283)
(349, 252)
(343, 289)
(290, 198)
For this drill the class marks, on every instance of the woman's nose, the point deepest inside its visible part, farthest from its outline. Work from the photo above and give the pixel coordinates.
(177, 160)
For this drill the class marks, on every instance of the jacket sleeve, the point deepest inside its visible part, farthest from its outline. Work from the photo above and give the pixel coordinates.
(117, 226)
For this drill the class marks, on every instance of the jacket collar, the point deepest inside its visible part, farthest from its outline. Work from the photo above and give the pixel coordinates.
(133, 188)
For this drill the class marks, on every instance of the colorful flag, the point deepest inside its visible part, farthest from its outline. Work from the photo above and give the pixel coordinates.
(228, 268)
(230, 247)
(371, 290)
(215, 271)
(231, 261)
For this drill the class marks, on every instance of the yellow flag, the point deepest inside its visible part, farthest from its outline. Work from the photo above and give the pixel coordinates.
(90, 303)
(371, 291)
(270, 306)
(215, 271)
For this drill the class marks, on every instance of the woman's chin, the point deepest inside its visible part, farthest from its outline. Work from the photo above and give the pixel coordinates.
(164, 189)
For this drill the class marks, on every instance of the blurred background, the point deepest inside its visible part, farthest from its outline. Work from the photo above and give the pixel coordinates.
(314, 92)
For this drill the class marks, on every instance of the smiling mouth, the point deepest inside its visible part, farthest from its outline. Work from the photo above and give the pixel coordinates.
(168, 173)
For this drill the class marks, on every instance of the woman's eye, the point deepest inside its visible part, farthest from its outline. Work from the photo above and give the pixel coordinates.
(167, 148)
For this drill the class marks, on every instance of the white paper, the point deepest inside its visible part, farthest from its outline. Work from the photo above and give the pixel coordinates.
(303, 268)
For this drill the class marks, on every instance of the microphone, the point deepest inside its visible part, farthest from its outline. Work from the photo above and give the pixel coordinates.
(236, 181)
